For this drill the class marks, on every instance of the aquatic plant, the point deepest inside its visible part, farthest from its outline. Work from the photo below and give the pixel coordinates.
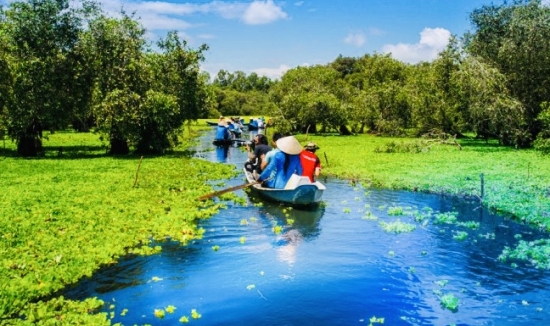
(449, 301)
(460, 235)
(446, 218)
(184, 319)
(469, 224)
(277, 229)
(244, 221)
(535, 252)
(242, 239)
(156, 279)
(170, 309)
(159, 313)
(397, 227)
(216, 248)
(124, 312)
(347, 210)
(374, 320)
(396, 211)
(289, 221)
(442, 283)
(195, 314)
(369, 216)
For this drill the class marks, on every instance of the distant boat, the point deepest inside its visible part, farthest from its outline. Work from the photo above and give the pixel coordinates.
(210, 123)
(298, 192)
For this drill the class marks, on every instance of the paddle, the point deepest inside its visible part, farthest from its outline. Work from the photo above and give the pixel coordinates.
(223, 191)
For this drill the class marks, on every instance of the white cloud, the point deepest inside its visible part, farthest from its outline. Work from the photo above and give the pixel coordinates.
(355, 39)
(432, 41)
(272, 73)
(298, 3)
(263, 12)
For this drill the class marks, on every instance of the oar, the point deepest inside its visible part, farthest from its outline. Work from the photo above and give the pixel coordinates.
(223, 191)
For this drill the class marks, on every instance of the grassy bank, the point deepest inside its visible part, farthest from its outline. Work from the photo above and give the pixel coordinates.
(68, 213)
(515, 182)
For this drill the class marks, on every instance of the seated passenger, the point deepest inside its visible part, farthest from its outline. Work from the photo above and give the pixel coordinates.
(283, 164)
(222, 132)
(255, 157)
(310, 162)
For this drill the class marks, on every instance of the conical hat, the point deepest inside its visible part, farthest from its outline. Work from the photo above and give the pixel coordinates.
(289, 145)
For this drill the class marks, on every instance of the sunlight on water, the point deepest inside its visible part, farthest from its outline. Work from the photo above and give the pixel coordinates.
(332, 265)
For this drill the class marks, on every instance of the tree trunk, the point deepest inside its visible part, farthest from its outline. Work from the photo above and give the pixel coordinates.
(29, 146)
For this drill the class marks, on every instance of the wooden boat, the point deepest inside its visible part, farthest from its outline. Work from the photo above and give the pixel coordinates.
(210, 123)
(299, 191)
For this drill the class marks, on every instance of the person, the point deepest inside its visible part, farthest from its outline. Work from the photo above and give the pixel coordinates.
(269, 155)
(311, 164)
(222, 132)
(283, 165)
(255, 156)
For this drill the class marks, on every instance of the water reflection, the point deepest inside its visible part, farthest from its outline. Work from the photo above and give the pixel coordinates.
(222, 152)
(332, 265)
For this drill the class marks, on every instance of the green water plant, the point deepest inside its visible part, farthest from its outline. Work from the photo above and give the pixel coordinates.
(449, 301)
(460, 235)
(397, 227)
(536, 252)
(396, 211)
(445, 218)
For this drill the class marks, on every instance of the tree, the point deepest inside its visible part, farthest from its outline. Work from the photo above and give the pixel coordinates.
(515, 39)
(41, 37)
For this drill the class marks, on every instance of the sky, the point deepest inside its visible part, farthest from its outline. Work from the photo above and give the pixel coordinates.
(269, 37)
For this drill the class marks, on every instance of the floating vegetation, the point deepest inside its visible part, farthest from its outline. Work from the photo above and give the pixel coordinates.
(397, 227)
(449, 301)
(156, 279)
(289, 221)
(216, 248)
(184, 319)
(347, 210)
(470, 224)
(195, 314)
(374, 320)
(253, 219)
(124, 312)
(446, 218)
(460, 235)
(442, 283)
(369, 216)
(244, 221)
(396, 211)
(277, 229)
(391, 253)
(170, 309)
(159, 313)
(535, 252)
(242, 239)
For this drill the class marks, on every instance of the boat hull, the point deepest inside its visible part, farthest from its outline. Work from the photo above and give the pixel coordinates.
(301, 195)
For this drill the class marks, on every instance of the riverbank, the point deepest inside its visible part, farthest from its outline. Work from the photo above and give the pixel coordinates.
(66, 214)
(513, 182)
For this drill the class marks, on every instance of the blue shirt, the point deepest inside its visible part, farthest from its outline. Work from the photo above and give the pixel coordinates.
(222, 133)
(276, 167)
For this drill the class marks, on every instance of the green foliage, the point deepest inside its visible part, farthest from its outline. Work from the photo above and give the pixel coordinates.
(449, 301)
(535, 252)
(542, 143)
(64, 217)
(397, 227)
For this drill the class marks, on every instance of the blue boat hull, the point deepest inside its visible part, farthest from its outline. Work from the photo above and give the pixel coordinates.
(302, 195)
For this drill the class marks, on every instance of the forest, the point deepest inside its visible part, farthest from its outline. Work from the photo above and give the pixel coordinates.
(64, 66)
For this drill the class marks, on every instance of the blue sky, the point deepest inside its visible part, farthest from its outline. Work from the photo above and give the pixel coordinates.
(269, 36)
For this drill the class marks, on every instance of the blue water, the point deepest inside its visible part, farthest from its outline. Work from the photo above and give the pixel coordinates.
(330, 266)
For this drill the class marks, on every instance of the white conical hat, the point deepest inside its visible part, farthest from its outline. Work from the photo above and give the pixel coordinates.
(289, 145)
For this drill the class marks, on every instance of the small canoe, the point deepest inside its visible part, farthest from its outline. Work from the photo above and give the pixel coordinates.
(299, 191)
(210, 123)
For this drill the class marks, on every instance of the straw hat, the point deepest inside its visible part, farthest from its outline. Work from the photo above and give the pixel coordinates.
(311, 145)
(289, 145)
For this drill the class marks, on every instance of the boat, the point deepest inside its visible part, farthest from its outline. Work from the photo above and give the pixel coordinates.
(223, 142)
(210, 123)
(299, 191)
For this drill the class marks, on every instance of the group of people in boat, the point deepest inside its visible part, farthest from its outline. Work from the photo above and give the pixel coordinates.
(228, 129)
(274, 165)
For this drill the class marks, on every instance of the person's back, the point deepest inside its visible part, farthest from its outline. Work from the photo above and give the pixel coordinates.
(222, 132)
(311, 164)
(284, 163)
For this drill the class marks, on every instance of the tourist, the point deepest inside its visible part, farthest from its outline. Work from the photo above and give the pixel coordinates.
(255, 156)
(284, 163)
(311, 164)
